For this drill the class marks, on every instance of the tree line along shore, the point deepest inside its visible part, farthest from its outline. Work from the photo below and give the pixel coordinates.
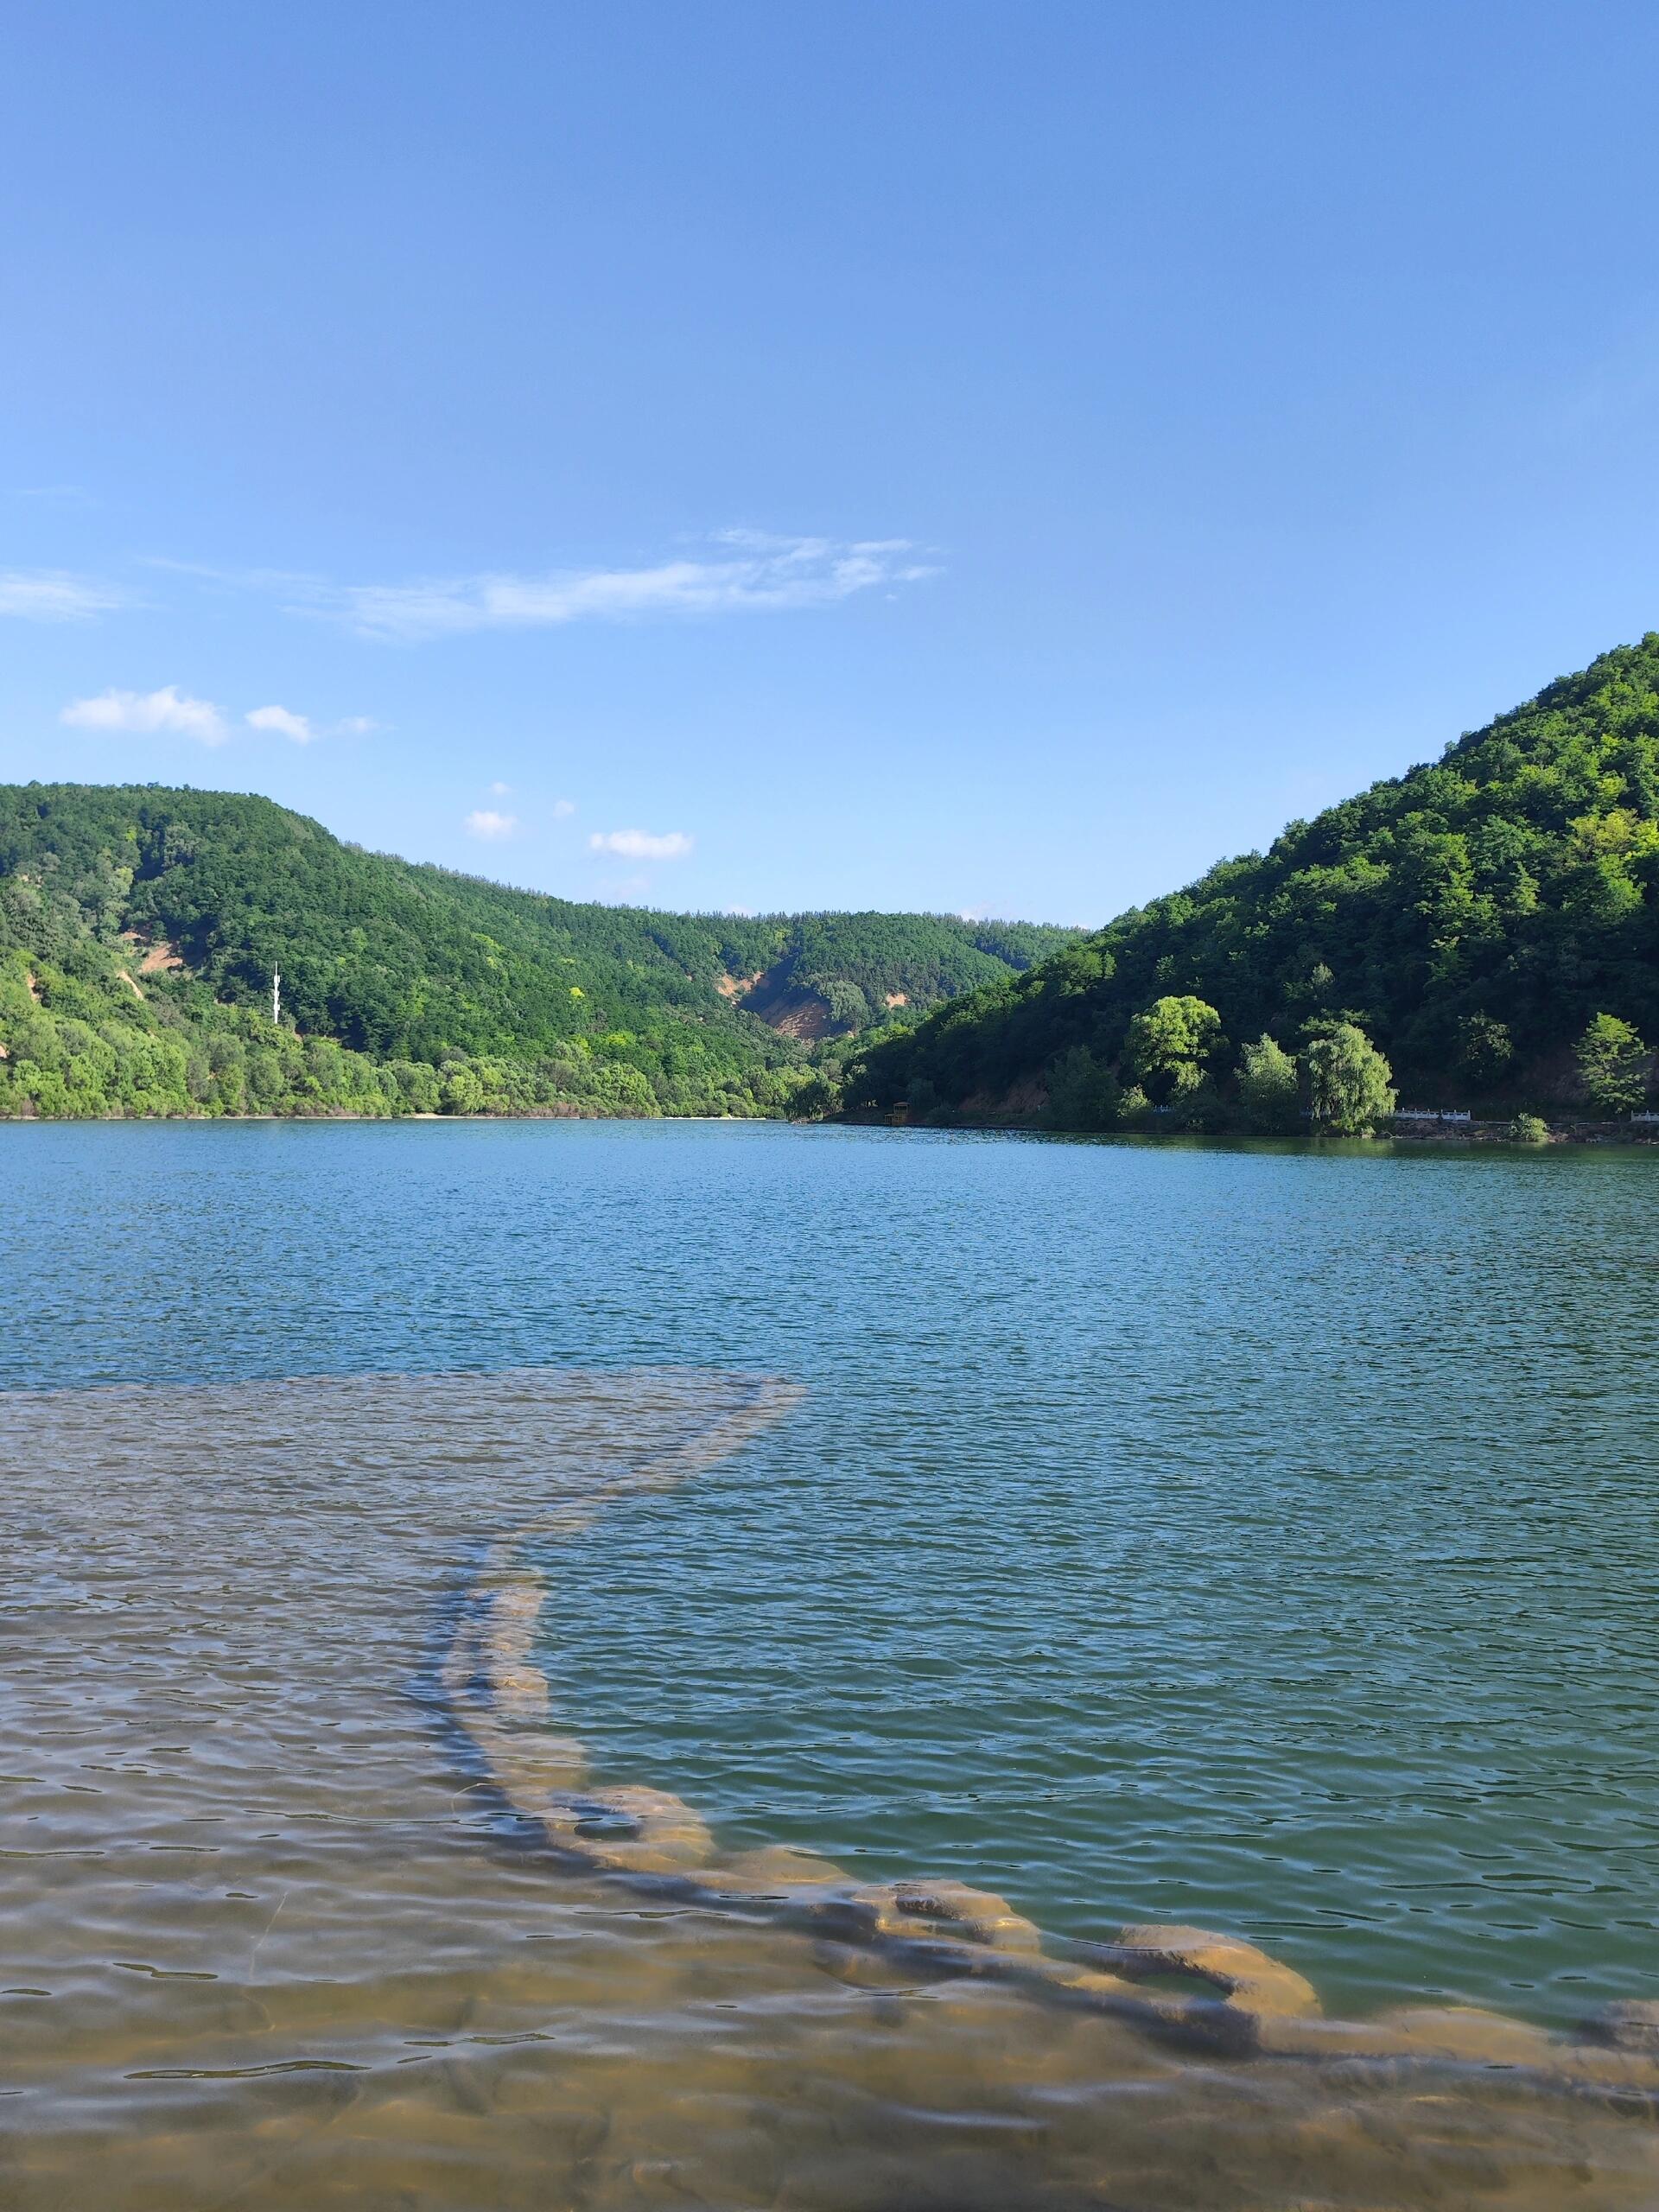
(1478, 937)
(142, 928)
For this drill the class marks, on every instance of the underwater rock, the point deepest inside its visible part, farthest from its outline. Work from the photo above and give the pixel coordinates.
(1086, 1985)
(519, 1693)
(523, 1763)
(934, 1914)
(627, 1830)
(1309, 2036)
(876, 1934)
(489, 1673)
(1246, 1976)
(1630, 2023)
(772, 1873)
(1467, 2031)
(1254, 1987)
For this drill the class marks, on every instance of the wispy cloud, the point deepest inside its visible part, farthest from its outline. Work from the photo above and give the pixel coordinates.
(563, 809)
(54, 595)
(148, 714)
(487, 824)
(499, 791)
(749, 574)
(284, 722)
(641, 844)
(60, 495)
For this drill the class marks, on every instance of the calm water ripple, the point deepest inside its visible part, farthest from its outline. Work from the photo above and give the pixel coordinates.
(1258, 1537)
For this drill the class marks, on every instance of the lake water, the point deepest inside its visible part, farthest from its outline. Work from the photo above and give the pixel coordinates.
(1258, 1537)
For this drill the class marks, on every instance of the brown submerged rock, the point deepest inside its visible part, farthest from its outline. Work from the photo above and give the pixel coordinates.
(773, 1872)
(1244, 1975)
(1467, 2031)
(1631, 2024)
(628, 1830)
(1253, 1988)
(933, 1913)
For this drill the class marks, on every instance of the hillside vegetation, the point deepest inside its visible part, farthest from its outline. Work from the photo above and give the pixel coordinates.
(1481, 921)
(139, 927)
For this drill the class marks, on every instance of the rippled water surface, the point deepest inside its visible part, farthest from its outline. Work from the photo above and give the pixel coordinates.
(1261, 1538)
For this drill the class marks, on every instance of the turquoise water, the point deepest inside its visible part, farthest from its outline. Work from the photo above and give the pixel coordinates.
(1260, 1536)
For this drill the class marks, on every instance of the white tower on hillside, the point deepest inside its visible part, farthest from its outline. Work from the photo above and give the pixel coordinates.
(276, 998)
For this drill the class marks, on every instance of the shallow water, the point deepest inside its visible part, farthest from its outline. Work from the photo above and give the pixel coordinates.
(1253, 1537)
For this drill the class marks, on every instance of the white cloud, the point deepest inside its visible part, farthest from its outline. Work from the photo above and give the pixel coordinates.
(563, 809)
(147, 713)
(751, 574)
(499, 791)
(51, 595)
(640, 844)
(486, 823)
(285, 724)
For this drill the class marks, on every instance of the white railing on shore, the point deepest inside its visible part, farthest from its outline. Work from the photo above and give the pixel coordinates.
(1431, 1114)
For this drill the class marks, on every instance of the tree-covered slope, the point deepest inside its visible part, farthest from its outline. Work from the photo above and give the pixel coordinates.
(133, 913)
(1471, 916)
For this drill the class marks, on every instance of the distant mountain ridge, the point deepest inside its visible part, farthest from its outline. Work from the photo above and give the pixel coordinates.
(138, 911)
(1471, 916)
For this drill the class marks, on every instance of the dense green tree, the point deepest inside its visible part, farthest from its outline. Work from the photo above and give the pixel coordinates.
(1083, 1092)
(1268, 1088)
(419, 1087)
(139, 926)
(1349, 1081)
(849, 1008)
(1613, 1065)
(1167, 1045)
(865, 967)
(1484, 1048)
(1199, 1109)
(1505, 893)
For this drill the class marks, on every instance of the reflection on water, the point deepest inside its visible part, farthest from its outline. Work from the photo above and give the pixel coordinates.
(280, 1930)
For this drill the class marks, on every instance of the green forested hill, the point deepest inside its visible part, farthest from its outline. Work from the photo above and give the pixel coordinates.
(1471, 916)
(139, 927)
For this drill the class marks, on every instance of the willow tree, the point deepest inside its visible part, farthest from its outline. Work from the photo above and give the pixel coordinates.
(1350, 1085)
(1613, 1065)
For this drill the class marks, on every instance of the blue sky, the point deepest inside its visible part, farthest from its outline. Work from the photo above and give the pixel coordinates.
(985, 458)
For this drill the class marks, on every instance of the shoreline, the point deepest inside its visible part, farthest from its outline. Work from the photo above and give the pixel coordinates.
(1578, 1131)
(237, 1121)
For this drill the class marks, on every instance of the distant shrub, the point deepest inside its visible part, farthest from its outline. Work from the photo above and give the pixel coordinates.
(1198, 1109)
(921, 1100)
(1528, 1129)
(1267, 1087)
(1613, 1065)
(1083, 1092)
